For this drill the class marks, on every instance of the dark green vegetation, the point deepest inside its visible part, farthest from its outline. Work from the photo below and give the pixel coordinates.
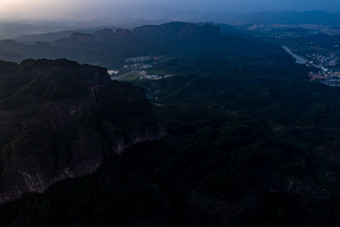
(251, 141)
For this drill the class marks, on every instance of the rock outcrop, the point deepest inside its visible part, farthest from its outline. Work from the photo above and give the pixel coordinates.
(59, 119)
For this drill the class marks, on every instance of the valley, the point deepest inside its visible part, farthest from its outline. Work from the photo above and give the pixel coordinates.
(188, 125)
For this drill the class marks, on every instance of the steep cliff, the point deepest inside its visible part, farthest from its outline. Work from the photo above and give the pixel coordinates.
(59, 118)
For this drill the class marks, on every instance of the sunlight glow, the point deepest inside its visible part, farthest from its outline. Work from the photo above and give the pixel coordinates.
(49, 9)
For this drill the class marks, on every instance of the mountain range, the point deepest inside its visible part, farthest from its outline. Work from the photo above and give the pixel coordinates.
(109, 48)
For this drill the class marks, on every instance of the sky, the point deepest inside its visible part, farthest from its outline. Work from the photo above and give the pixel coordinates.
(90, 9)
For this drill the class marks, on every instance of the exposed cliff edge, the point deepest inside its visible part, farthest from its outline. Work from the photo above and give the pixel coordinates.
(59, 118)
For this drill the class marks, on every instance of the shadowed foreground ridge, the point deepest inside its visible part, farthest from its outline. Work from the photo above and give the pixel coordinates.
(58, 120)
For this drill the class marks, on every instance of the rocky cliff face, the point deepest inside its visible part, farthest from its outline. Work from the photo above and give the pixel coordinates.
(59, 119)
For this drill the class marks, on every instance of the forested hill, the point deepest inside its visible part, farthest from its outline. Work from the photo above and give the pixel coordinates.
(109, 48)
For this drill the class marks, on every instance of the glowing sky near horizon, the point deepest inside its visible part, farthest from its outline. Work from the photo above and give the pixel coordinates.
(59, 9)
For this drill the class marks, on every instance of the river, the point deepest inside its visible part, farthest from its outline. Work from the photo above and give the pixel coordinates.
(298, 59)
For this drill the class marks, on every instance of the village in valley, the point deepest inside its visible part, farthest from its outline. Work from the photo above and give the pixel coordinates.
(317, 46)
(325, 75)
(138, 68)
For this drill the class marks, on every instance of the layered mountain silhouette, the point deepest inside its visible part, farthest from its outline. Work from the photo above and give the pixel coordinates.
(109, 48)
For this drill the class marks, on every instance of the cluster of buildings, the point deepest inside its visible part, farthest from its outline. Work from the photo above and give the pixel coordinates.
(150, 77)
(317, 76)
(138, 67)
(142, 59)
(141, 62)
(329, 78)
(323, 60)
(154, 77)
